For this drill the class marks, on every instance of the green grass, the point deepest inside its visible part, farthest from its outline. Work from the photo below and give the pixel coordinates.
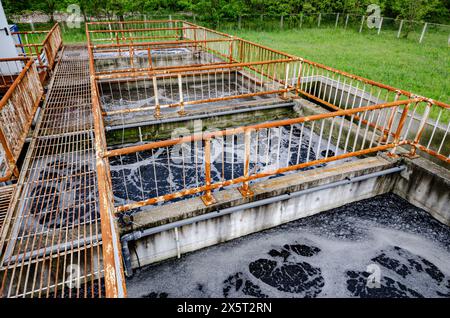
(402, 63)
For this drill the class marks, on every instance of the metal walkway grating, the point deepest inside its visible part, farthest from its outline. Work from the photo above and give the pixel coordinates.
(6, 193)
(51, 244)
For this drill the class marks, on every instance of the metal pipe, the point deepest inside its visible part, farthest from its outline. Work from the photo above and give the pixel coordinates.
(136, 235)
(45, 251)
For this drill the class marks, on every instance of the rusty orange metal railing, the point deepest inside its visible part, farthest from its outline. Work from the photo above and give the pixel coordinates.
(263, 71)
(241, 73)
(17, 108)
(362, 135)
(340, 90)
(43, 46)
(127, 32)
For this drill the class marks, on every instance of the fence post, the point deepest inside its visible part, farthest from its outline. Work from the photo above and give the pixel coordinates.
(281, 21)
(423, 32)
(301, 20)
(379, 26)
(400, 29)
(245, 189)
(239, 22)
(346, 22)
(337, 21)
(318, 20)
(362, 23)
(208, 198)
(157, 106)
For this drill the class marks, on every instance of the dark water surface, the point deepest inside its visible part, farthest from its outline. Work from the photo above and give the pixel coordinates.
(379, 247)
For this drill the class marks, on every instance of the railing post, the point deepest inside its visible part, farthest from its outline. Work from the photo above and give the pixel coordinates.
(9, 156)
(399, 129)
(241, 51)
(231, 50)
(157, 106)
(423, 32)
(391, 119)
(181, 112)
(286, 81)
(299, 77)
(420, 129)
(150, 61)
(400, 29)
(131, 53)
(195, 39)
(208, 198)
(245, 189)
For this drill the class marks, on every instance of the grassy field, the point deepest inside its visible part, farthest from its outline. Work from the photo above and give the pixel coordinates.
(403, 63)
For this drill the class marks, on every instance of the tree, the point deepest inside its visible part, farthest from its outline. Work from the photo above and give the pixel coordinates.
(413, 10)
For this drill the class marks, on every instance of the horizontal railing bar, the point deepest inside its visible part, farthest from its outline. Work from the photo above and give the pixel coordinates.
(147, 69)
(130, 22)
(30, 32)
(142, 30)
(97, 46)
(193, 102)
(189, 69)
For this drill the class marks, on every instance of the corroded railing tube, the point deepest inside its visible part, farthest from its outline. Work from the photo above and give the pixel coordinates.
(157, 105)
(245, 188)
(112, 257)
(208, 198)
(391, 118)
(420, 129)
(181, 112)
(400, 125)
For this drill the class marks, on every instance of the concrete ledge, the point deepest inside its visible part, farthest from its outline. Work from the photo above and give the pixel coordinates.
(427, 186)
